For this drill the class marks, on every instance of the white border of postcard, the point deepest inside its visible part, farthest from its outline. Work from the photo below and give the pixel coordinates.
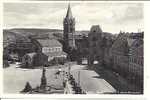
(146, 59)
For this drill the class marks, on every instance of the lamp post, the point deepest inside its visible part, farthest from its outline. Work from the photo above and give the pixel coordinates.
(79, 77)
(69, 69)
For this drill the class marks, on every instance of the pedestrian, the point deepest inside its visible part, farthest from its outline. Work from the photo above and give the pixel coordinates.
(59, 69)
(58, 72)
(64, 83)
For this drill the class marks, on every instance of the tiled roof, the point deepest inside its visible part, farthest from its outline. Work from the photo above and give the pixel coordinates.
(49, 43)
(123, 42)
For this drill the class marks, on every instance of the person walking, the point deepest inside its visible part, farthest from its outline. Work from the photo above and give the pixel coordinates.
(58, 72)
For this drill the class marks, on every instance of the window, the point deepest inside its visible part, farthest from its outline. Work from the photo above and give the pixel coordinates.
(45, 49)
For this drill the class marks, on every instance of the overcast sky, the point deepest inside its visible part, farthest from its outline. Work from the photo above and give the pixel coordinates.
(112, 17)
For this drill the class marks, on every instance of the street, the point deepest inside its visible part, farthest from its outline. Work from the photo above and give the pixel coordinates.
(90, 81)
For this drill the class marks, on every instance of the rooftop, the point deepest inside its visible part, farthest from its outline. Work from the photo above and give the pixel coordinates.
(96, 28)
(49, 43)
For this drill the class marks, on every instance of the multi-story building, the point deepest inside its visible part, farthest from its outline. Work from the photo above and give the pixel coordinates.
(95, 45)
(123, 54)
(46, 50)
(136, 60)
(127, 57)
(50, 47)
(119, 53)
(99, 44)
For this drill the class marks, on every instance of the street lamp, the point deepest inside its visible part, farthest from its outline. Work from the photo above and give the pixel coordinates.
(69, 68)
(79, 77)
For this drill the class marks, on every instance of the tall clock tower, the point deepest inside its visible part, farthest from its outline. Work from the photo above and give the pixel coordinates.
(69, 30)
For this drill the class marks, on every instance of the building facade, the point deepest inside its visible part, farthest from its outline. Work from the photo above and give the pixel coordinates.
(107, 43)
(50, 47)
(119, 54)
(69, 30)
(95, 45)
(122, 53)
(31, 60)
(127, 58)
(136, 63)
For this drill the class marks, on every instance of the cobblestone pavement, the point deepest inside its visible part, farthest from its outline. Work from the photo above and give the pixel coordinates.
(16, 78)
(91, 81)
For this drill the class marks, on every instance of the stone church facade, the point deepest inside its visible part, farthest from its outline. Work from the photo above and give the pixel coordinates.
(69, 30)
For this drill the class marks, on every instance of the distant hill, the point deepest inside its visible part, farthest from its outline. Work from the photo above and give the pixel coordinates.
(22, 34)
(37, 32)
(13, 37)
(8, 37)
(34, 31)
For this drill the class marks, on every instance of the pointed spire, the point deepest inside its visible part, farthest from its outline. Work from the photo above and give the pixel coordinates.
(69, 13)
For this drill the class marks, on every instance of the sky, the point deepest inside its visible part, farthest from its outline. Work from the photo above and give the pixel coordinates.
(112, 17)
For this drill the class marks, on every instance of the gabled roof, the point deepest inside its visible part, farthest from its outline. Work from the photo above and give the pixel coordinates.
(49, 43)
(123, 42)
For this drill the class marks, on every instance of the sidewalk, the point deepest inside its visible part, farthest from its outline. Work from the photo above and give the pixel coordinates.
(90, 81)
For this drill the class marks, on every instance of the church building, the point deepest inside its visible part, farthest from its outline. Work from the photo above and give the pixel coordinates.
(69, 31)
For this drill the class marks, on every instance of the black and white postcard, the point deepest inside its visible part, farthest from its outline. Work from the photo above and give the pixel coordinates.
(68, 47)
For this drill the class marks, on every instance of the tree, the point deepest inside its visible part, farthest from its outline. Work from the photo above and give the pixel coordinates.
(27, 88)
(73, 54)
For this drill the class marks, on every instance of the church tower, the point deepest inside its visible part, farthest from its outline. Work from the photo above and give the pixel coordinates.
(69, 30)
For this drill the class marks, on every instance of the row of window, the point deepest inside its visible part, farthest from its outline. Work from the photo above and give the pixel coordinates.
(136, 60)
(133, 68)
(54, 49)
